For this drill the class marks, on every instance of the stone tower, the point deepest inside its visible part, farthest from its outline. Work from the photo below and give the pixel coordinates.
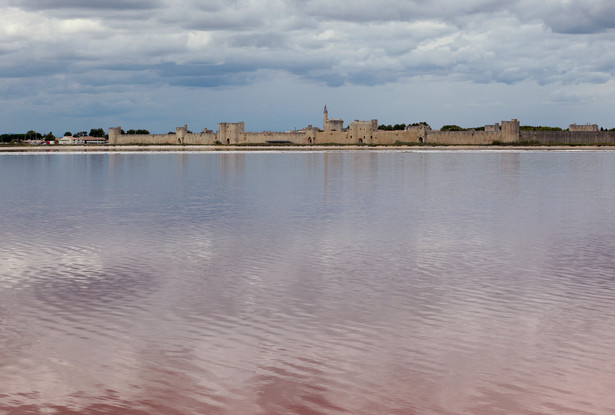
(325, 117)
(114, 134)
(510, 131)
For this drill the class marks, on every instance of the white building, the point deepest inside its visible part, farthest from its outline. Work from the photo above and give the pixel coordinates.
(79, 141)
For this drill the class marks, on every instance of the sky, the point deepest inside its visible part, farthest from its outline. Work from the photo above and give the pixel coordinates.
(73, 65)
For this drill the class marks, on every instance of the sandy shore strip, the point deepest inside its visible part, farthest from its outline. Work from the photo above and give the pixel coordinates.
(215, 148)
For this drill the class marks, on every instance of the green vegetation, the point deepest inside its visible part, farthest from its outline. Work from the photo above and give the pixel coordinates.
(12, 138)
(452, 127)
(136, 132)
(398, 127)
(50, 137)
(389, 127)
(33, 135)
(97, 132)
(524, 143)
(538, 128)
(407, 143)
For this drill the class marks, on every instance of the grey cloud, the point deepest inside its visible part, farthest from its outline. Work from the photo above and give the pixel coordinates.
(237, 72)
(220, 21)
(210, 81)
(212, 5)
(86, 4)
(261, 40)
(33, 68)
(581, 17)
(386, 10)
(215, 43)
(173, 70)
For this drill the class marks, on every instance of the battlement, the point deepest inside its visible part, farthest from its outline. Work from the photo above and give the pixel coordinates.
(366, 132)
(584, 127)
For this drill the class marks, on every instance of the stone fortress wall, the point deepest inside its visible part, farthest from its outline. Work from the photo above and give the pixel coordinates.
(367, 133)
(568, 137)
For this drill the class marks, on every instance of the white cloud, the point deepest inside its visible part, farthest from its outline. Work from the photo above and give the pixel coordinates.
(57, 49)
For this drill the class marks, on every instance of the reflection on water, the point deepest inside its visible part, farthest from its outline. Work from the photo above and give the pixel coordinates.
(308, 283)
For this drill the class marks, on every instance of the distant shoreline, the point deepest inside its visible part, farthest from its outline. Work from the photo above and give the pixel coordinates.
(242, 148)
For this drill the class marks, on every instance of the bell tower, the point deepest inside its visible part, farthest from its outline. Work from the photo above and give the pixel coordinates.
(325, 117)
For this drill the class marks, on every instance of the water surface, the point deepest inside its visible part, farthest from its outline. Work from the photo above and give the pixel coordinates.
(307, 283)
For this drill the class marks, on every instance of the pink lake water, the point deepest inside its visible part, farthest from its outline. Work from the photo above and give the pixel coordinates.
(349, 282)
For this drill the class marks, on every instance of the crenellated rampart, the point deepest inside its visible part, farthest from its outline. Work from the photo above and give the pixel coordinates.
(144, 139)
(272, 137)
(463, 137)
(568, 137)
(396, 137)
(367, 133)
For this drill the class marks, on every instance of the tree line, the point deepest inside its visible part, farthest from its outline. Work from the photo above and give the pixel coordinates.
(397, 127)
(34, 135)
(453, 127)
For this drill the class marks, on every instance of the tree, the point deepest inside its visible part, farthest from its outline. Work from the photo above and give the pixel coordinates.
(538, 128)
(452, 128)
(33, 135)
(68, 134)
(97, 132)
(398, 127)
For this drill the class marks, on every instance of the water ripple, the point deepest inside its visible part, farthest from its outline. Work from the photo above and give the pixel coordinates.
(352, 282)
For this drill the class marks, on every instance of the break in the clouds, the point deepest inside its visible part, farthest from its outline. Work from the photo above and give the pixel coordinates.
(79, 63)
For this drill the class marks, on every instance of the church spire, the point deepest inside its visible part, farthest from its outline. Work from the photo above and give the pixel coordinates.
(325, 117)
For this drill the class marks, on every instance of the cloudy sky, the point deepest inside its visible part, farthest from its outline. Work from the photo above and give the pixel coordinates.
(157, 64)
